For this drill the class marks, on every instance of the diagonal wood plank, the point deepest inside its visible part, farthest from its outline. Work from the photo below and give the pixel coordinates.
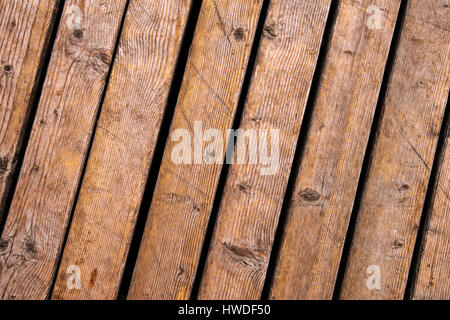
(403, 153)
(25, 28)
(184, 193)
(42, 203)
(432, 280)
(110, 196)
(326, 184)
(248, 216)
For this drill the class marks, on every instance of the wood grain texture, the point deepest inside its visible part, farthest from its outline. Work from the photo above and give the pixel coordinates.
(433, 277)
(248, 216)
(25, 28)
(42, 203)
(184, 193)
(328, 176)
(403, 154)
(126, 135)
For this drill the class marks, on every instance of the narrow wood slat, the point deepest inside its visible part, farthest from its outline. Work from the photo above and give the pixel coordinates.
(25, 28)
(403, 154)
(248, 216)
(325, 186)
(184, 193)
(433, 280)
(122, 150)
(49, 177)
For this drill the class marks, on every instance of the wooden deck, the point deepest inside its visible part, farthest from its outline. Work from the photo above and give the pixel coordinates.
(343, 191)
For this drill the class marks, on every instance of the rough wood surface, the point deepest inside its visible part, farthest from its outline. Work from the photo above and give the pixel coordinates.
(433, 280)
(248, 217)
(403, 155)
(25, 28)
(184, 193)
(42, 203)
(325, 186)
(122, 150)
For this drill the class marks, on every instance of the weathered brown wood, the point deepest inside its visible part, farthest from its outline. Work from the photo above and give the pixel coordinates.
(35, 228)
(248, 217)
(184, 193)
(25, 28)
(433, 280)
(403, 154)
(325, 186)
(122, 150)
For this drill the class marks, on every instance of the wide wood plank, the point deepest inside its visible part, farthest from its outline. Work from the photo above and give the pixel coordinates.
(328, 176)
(248, 216)
(36, 224)
(25, 28)
(122, 150)
(403, 155)
(433, 280)
(184, 193)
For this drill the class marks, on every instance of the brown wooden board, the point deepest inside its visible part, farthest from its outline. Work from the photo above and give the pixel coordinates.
(253, 196)
(403, 154)
(122, 150)
(328, 176)
(184, 193)
(25, 28)
(433, 280)
(43, 200)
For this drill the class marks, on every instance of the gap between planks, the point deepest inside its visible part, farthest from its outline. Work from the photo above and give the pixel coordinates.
(183, 196)
(56, 151)
(326, 183)
(404, 149)
(127, 131)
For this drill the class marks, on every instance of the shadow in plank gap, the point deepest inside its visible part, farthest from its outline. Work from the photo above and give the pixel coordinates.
(40, 209)
(368, 153)
(231, 145)
(159, 149)
(184, 193)
(325, 184)
(248, 214)
(302, 138)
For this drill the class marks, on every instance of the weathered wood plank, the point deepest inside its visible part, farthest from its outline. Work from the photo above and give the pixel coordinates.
(184, 193)
(122, 150)
(248, 216)
(25, 28)
(326, 184)
(35, 228)
(403, 154)
(433, 277)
